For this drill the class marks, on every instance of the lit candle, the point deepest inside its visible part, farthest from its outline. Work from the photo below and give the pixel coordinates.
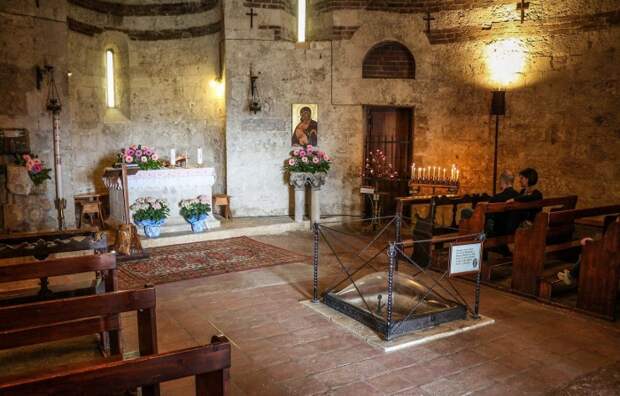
(173, 157)
(457, 175)
(428, 173)
(199, 156)
(419, 173)
(444, 174)
(413, 170)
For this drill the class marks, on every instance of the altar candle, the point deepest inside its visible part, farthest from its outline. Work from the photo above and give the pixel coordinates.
(199, 156)
(428, 173)
(444, 174)
(413, 170)
(173, 157)
(419, 173)
(457, 175)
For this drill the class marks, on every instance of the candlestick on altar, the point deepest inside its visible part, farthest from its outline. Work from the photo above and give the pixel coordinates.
(199, 156)
(444, 174)
(173, 158)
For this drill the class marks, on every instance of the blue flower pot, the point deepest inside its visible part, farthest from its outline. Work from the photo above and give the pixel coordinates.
(198, 223)
(152, 228)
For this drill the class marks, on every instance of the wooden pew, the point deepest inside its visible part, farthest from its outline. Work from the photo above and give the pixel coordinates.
(599, 273)
(426, 227)
(476, 224)
(550, 233)
(42, 244)
(210, 364)
(102, 264)
(47, 321)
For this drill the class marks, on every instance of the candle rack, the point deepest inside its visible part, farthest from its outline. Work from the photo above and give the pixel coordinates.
(417, 185)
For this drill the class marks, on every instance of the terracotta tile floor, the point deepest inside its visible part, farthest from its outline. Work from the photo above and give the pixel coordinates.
(280, 347)
(283, 348)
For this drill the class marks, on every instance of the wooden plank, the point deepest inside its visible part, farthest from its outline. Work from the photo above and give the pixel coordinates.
(41, 245)
(567, 202)
(55, 267)
(114, 377)
(564, 216)
(42, 313)
(529, 255)
(599, 273)
(57, 331)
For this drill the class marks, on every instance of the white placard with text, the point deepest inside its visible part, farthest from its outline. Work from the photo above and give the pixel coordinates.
(465, 258)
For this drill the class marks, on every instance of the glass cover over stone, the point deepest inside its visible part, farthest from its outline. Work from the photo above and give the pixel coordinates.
(407, 294)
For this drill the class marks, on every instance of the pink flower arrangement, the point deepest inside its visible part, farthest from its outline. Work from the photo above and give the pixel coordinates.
(308, 159)
(143, 156)
(37, 172)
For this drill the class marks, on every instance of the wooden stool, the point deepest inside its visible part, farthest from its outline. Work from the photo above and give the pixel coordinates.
(223, 200)
(91, 209)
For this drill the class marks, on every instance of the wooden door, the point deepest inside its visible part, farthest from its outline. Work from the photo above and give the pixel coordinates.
(389, 129)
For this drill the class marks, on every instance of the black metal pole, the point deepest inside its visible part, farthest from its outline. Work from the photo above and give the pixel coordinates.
(398, 236)
(495, 154)
(477, 296)
(390, 290)
(315, 262)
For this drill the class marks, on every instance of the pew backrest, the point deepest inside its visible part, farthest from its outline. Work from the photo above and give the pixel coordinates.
(42, 244)
(46, 321)
(476, 223)
(210, 364)
(12, 272)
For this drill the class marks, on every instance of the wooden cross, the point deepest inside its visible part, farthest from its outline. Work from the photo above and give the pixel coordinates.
(523, 6)
(252, 14)
(428, 18)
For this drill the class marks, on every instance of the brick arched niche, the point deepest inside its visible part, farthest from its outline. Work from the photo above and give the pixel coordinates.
(389, 59)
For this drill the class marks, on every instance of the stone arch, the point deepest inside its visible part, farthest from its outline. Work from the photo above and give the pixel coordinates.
(389, 59)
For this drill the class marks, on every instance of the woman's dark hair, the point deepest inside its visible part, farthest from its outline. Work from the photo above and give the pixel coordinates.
(531, 175)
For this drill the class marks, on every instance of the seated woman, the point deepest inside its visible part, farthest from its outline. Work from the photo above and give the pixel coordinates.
(528, 178)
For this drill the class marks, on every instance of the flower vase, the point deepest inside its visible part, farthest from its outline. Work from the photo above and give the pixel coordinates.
(198, 223)
(152, 228)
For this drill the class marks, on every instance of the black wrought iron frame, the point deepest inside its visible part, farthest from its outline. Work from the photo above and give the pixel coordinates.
(390, 328)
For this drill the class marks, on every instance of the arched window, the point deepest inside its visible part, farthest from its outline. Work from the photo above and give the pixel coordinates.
(109, 76)
(389, 59)
(301, 21)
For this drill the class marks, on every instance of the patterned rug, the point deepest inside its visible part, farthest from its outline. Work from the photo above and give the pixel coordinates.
(195, 260)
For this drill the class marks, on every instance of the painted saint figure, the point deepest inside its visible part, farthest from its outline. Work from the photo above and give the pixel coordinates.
(306, 132)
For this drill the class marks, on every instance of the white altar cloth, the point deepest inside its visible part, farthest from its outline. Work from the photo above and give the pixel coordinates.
(174, 185)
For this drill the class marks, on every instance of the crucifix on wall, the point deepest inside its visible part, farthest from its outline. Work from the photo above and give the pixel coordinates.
(251, 14)
(522, 6)
(428, 18)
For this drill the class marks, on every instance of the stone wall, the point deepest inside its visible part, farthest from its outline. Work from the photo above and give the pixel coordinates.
(33, 36)
(562, 105)
(167, 58)
(560, 116)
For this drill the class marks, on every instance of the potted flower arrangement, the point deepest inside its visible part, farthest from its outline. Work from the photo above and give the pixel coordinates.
(37, 172)
(150, 213)
(141, 156)
(308, 159)
(195, 212)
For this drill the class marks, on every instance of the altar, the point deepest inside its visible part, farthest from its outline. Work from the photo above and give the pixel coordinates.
(173, 185)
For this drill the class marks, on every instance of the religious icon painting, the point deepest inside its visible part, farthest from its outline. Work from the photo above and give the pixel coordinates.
(305, 127)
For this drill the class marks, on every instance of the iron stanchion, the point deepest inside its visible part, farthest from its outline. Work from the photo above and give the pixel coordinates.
(390, 290)
(315, 262)
(477, 296)
(398, 222)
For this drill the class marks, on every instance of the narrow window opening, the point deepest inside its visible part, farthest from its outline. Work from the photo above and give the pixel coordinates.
(301, 21)
(109, 73)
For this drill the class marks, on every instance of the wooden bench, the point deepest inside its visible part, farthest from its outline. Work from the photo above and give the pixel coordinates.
(425, 227)
(210, 364)
(104, 265)
(47, 321)
(550, 234)
(42, 244)
(476, 224)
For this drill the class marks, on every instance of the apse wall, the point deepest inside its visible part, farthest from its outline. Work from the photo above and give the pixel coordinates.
(167, 59)
(560, 118)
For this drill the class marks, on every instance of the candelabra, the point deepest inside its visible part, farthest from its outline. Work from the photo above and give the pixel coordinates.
(435, 178)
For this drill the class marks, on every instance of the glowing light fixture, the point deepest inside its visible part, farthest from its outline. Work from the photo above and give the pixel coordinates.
(505, 60)
(301, 21)
(218, 87)
(109, 75)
